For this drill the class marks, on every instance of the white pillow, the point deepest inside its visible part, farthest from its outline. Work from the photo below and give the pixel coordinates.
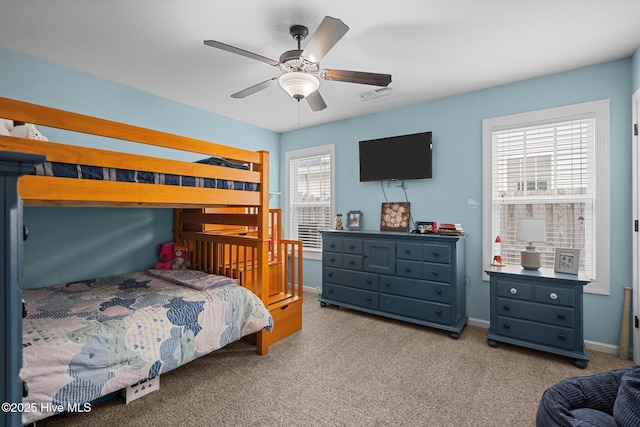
(6, 126)
(28, 131)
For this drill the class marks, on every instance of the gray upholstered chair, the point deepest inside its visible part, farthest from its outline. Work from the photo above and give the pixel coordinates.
(602, 400)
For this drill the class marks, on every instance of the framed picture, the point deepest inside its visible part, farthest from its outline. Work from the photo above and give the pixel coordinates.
(426, 227)
(567, 260)
(354, 220)
(395, 216)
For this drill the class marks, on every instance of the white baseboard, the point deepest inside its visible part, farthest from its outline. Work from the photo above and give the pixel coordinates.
(591, 345)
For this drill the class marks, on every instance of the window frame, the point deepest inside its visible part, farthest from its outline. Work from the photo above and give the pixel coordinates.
(600, 111)
(308, 253)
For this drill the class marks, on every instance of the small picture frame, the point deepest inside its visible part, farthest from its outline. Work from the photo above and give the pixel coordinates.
(354, 220)
(567, 260)
(395, 216)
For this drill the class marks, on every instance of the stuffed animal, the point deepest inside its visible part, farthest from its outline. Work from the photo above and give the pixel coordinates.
(180, 256)
(165, 251)
(173, 256)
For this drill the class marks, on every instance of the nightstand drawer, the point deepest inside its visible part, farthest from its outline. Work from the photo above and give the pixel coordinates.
(423, 310)
(555, 295)
(354, 279)
(332, 259)
(331, 244)
(436, 253)
(350, 295)
(406, 250)
(352, 262)
(436, 272)
(352, 246)
(561, 316)
(514, 289)
(555, 336)
(438, 292)
(409, 268)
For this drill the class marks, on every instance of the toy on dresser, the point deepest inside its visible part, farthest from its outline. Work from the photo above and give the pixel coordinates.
(172, 256)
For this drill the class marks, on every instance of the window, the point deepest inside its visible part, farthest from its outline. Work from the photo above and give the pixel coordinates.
(551, 164)
(309, 196)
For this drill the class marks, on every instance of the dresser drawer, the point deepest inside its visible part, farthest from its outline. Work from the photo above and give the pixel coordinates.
(332, 259)
(436, 253)
(352, 246)
(407, 268)
(436, 272)
(514, 289)
(350, 295)
(354, 279)
(423, 310)
(555, 336)
(555, 295)
(331, 244)
(438, 292)
(407, 250)
(561, 316)
(352, 262)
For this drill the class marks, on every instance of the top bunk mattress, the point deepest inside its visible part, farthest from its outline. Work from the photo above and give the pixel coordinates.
(70, 170)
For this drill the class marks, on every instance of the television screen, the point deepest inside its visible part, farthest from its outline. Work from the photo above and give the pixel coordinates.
(396, 158)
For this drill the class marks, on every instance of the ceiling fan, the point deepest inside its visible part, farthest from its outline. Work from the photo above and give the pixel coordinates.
(300, 69)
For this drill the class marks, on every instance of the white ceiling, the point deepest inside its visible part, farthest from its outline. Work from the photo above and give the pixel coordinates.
(432, 48)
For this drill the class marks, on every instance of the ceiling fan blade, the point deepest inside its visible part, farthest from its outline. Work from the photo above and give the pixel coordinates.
(326, 36)
(255, 88)
(316, 102)
(356, 77)
(242, 52)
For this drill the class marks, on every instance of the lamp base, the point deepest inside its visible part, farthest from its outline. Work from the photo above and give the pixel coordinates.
(530, 260)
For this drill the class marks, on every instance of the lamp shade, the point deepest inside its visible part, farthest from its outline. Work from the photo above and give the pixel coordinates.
(298, 84)
(531, 230)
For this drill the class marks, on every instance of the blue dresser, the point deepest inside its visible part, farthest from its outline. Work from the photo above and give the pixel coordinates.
(12, 165)
(538, 309)
(417, 278)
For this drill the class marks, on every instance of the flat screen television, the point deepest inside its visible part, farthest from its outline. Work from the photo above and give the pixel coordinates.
(396, 158)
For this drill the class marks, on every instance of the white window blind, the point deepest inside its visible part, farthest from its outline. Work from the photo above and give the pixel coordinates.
(551, 164)
(309, 195)
(546, 171)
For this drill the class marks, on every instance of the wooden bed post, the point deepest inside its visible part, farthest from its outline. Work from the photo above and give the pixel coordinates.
(262, 339)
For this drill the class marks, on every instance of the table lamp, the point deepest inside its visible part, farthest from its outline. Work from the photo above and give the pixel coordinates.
(530, 230)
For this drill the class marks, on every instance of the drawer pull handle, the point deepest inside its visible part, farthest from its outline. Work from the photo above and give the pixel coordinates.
(435, 273)
(562, 317)
(562, 338)
(369, 281)
(506, 326)
(387, 284)
(506, 308)
(333, 245)
(369, 299)
(25, 233)
(352, 247)
(436, 253)
(407, 251)
(352, 262)
(553, 295)
(513, 291)
(332, 259)
(330, 274)
(438, 291)
(330, 290)
(439, 312)
(407, 269)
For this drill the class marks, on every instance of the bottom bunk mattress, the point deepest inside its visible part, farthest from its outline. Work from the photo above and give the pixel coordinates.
(86, 339)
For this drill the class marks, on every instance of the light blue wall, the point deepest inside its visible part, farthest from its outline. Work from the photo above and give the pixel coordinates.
(456, 123)
(77, 243)
(635, 60)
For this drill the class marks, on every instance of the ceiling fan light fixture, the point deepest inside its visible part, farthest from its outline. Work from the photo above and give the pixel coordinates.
(299, 85)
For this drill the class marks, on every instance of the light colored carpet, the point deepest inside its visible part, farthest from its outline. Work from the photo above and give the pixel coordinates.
(351, 369)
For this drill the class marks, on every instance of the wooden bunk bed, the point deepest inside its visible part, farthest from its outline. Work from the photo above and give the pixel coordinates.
(224, 218)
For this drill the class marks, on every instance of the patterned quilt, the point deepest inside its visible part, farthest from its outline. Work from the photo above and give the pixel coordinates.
(86, 339)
